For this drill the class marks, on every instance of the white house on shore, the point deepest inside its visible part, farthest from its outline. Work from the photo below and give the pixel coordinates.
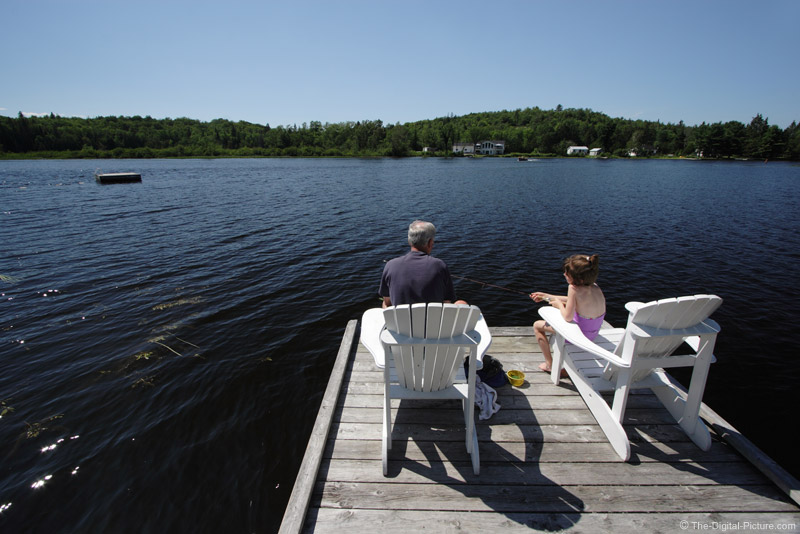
(577, 150)
(486, 148)
(490, 148)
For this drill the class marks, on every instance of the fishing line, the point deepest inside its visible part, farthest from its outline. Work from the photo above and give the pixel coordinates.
(487, 284)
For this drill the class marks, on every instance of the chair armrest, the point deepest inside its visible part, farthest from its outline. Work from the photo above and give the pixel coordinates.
(572, 333)
(372, 324)
(707, 327)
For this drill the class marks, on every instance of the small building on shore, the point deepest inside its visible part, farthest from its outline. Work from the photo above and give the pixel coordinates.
(464, 148)
(595, 152)
(577, 150)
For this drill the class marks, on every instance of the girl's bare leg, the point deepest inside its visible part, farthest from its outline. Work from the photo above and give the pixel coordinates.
(541, 330)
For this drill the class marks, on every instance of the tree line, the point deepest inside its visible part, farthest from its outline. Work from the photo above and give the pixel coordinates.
(530, 131)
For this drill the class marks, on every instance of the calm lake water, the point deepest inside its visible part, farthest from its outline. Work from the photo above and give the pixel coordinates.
(164, 346)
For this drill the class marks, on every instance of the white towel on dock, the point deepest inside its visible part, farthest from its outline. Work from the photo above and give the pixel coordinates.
(485, 399)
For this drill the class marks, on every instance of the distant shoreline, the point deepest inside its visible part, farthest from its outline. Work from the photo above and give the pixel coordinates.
(34, 157)
(530, 132)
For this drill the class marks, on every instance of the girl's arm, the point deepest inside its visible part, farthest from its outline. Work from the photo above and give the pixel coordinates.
(539, 296)
(566, 305)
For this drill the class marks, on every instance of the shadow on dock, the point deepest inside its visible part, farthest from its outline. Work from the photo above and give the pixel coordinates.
(507, 482)
(545, 463)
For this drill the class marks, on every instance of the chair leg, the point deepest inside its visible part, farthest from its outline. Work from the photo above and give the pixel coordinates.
(386, 440)
(674, 400)
(385, 453)
(609, 423)
(685, 409)
(557, 351)
(471, 436)
(693, 426)
(476, 461)
(685, 406)
(469, 424)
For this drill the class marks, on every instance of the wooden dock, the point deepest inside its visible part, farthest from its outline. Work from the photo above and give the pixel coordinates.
(545, 463)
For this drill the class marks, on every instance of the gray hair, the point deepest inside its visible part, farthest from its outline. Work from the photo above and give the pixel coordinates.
(420, 232)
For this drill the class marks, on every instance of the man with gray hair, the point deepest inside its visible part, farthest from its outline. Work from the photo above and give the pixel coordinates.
(417, 277)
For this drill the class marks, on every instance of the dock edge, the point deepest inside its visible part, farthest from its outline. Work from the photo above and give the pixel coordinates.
(295, 515)
(760, 460)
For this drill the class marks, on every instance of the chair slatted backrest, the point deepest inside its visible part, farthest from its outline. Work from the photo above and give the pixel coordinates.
(421, 367)
(674, 314)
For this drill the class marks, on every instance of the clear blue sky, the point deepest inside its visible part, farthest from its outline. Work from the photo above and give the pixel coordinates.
(295, 61)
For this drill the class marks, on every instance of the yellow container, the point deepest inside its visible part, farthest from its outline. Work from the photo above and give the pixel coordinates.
(516, 377)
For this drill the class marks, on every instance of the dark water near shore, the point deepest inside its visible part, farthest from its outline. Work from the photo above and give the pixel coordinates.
(164, 346)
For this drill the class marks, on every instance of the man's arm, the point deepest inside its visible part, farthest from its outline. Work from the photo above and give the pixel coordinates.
(387, 302)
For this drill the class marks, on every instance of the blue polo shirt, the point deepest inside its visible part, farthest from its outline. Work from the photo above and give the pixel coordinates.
(416, 277)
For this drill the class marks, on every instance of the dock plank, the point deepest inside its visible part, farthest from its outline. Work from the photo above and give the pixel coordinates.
(553, 498)
(544, 452)
(545, 464)
(440, 469)
(329, 520)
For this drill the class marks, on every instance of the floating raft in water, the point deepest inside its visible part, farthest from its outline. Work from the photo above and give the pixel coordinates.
(118, 177)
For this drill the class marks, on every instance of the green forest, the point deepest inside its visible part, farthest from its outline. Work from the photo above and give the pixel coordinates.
(530, 131)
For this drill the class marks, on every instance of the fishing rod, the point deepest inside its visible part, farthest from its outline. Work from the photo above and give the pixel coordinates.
(487, 284)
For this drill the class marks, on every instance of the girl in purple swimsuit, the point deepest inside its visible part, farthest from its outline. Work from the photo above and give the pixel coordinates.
(584, 303)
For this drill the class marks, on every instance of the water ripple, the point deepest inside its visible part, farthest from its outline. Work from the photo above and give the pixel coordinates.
(180, 325)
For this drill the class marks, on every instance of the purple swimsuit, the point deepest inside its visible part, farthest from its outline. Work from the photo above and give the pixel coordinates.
(589, 327)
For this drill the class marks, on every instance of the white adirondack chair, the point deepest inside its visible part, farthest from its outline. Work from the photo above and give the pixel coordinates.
(424, 347)
(621, 359)
(373, 323)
